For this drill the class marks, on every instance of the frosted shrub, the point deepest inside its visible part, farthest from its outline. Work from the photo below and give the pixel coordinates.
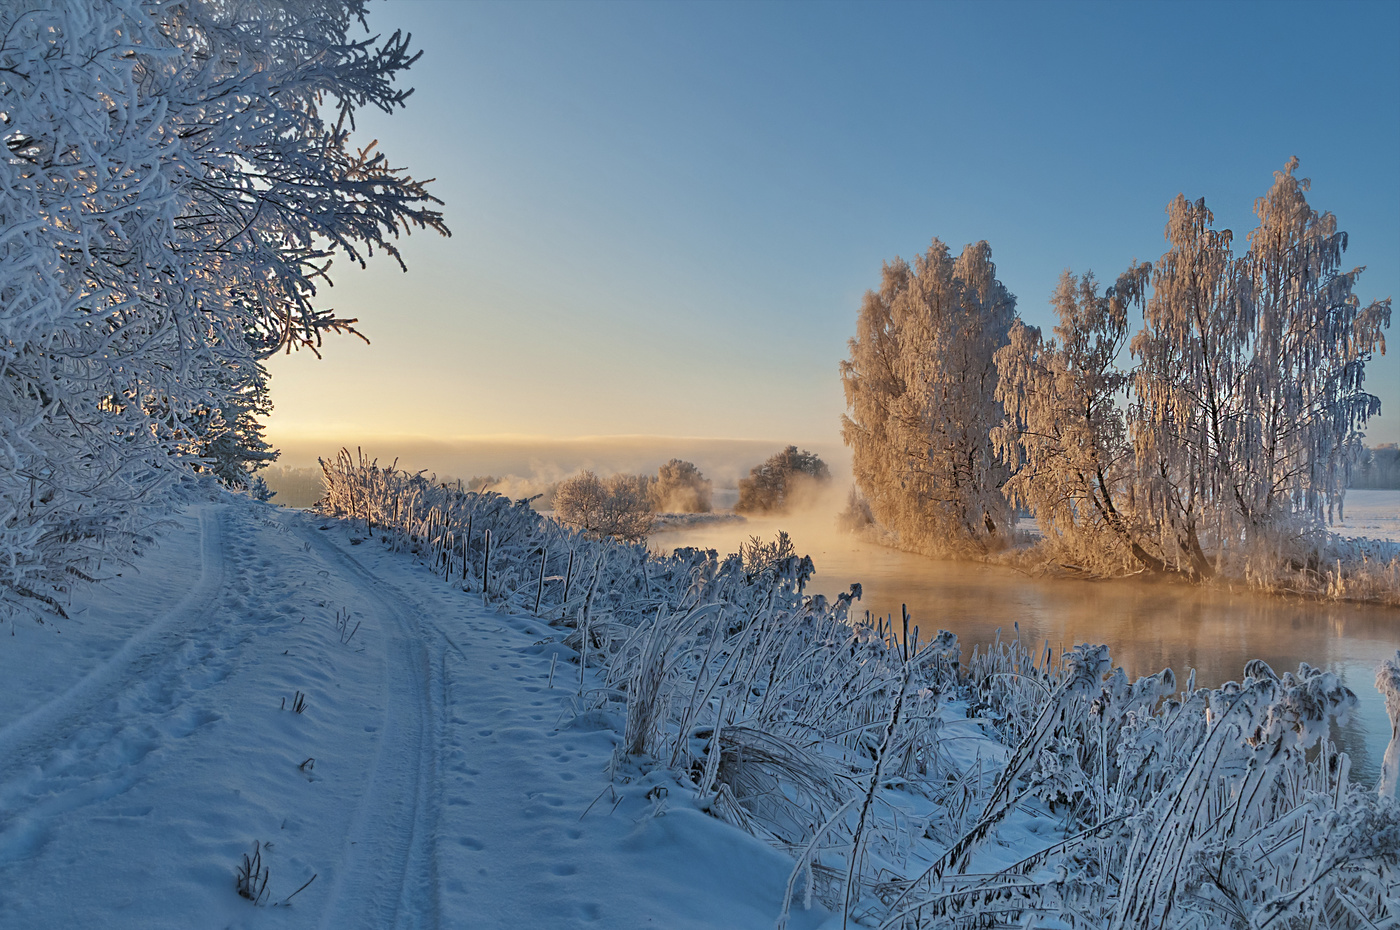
(617, 506)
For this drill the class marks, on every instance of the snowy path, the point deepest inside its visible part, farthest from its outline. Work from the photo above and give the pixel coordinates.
(144, 748)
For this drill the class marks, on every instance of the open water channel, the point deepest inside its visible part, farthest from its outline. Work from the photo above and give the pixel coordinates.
(1148, 626)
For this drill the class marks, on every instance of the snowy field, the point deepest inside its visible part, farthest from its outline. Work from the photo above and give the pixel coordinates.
(1371, 515)
(433, 778)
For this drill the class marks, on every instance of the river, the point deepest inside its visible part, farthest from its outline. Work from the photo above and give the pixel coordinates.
(1148, 626)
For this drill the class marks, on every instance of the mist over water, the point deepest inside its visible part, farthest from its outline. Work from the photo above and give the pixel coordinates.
(1148, 625)
(529, 464)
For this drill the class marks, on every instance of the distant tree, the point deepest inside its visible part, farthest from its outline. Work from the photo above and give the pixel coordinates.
(1378, 468)
(618, 506)
(679, 487)
(921, 391)
(857, 515)
(294, 487)
(771, 487)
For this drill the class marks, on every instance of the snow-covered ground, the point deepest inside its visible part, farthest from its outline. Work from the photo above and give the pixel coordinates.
(1372, 515)
(396, 753)
(434, 777)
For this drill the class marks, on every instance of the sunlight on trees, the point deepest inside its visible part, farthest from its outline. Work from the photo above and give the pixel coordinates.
(780, 482)
(618, 506)
(176, 181)
(921, 389)
(1224, 449)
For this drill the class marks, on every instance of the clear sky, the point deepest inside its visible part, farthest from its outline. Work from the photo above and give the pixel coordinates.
(665, 214)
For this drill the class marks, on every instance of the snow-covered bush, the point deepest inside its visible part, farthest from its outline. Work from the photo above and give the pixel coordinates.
(175, 181)
(618, 506)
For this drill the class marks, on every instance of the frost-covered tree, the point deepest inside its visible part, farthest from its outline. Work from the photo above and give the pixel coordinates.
(1312, 339)
(1377, 468)
(231, 445)
(175, 181)
(921, 389)
(680, 487)
(1249, 397)
(1230, 439)
(773, 486)
(617, 506)
(1064, 436)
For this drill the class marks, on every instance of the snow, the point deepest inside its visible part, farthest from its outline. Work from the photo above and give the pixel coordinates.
(454, 767)
(1371, 514)
(144, 749)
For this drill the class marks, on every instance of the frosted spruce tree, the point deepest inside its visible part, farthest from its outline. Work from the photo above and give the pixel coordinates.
(234, 448)
(921, 391)
(176, 180)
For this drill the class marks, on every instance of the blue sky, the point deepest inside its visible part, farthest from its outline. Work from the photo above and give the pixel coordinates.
(665, 214)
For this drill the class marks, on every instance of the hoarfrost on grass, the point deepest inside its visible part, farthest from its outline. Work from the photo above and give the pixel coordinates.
(914, 789)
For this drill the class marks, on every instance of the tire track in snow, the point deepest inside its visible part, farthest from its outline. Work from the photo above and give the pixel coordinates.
(87, 744)
(389, 877)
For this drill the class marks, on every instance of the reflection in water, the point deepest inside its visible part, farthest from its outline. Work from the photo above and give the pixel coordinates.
(1147, 625)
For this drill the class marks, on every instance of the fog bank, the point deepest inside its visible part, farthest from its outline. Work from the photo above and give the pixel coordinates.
(539, 460)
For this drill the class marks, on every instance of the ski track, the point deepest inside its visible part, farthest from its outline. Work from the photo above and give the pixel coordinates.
(532, 832)
(435, 780)
(104, 722)
(389, 879)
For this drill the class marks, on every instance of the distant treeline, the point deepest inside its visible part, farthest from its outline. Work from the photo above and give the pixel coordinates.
(1378, 469)
(620, 505)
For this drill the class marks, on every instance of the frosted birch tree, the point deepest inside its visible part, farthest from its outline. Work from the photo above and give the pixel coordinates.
(1229, 440)
(1249, 397)
(1312, 339)
(920, 386)
(176, 180)
(1065, 435)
